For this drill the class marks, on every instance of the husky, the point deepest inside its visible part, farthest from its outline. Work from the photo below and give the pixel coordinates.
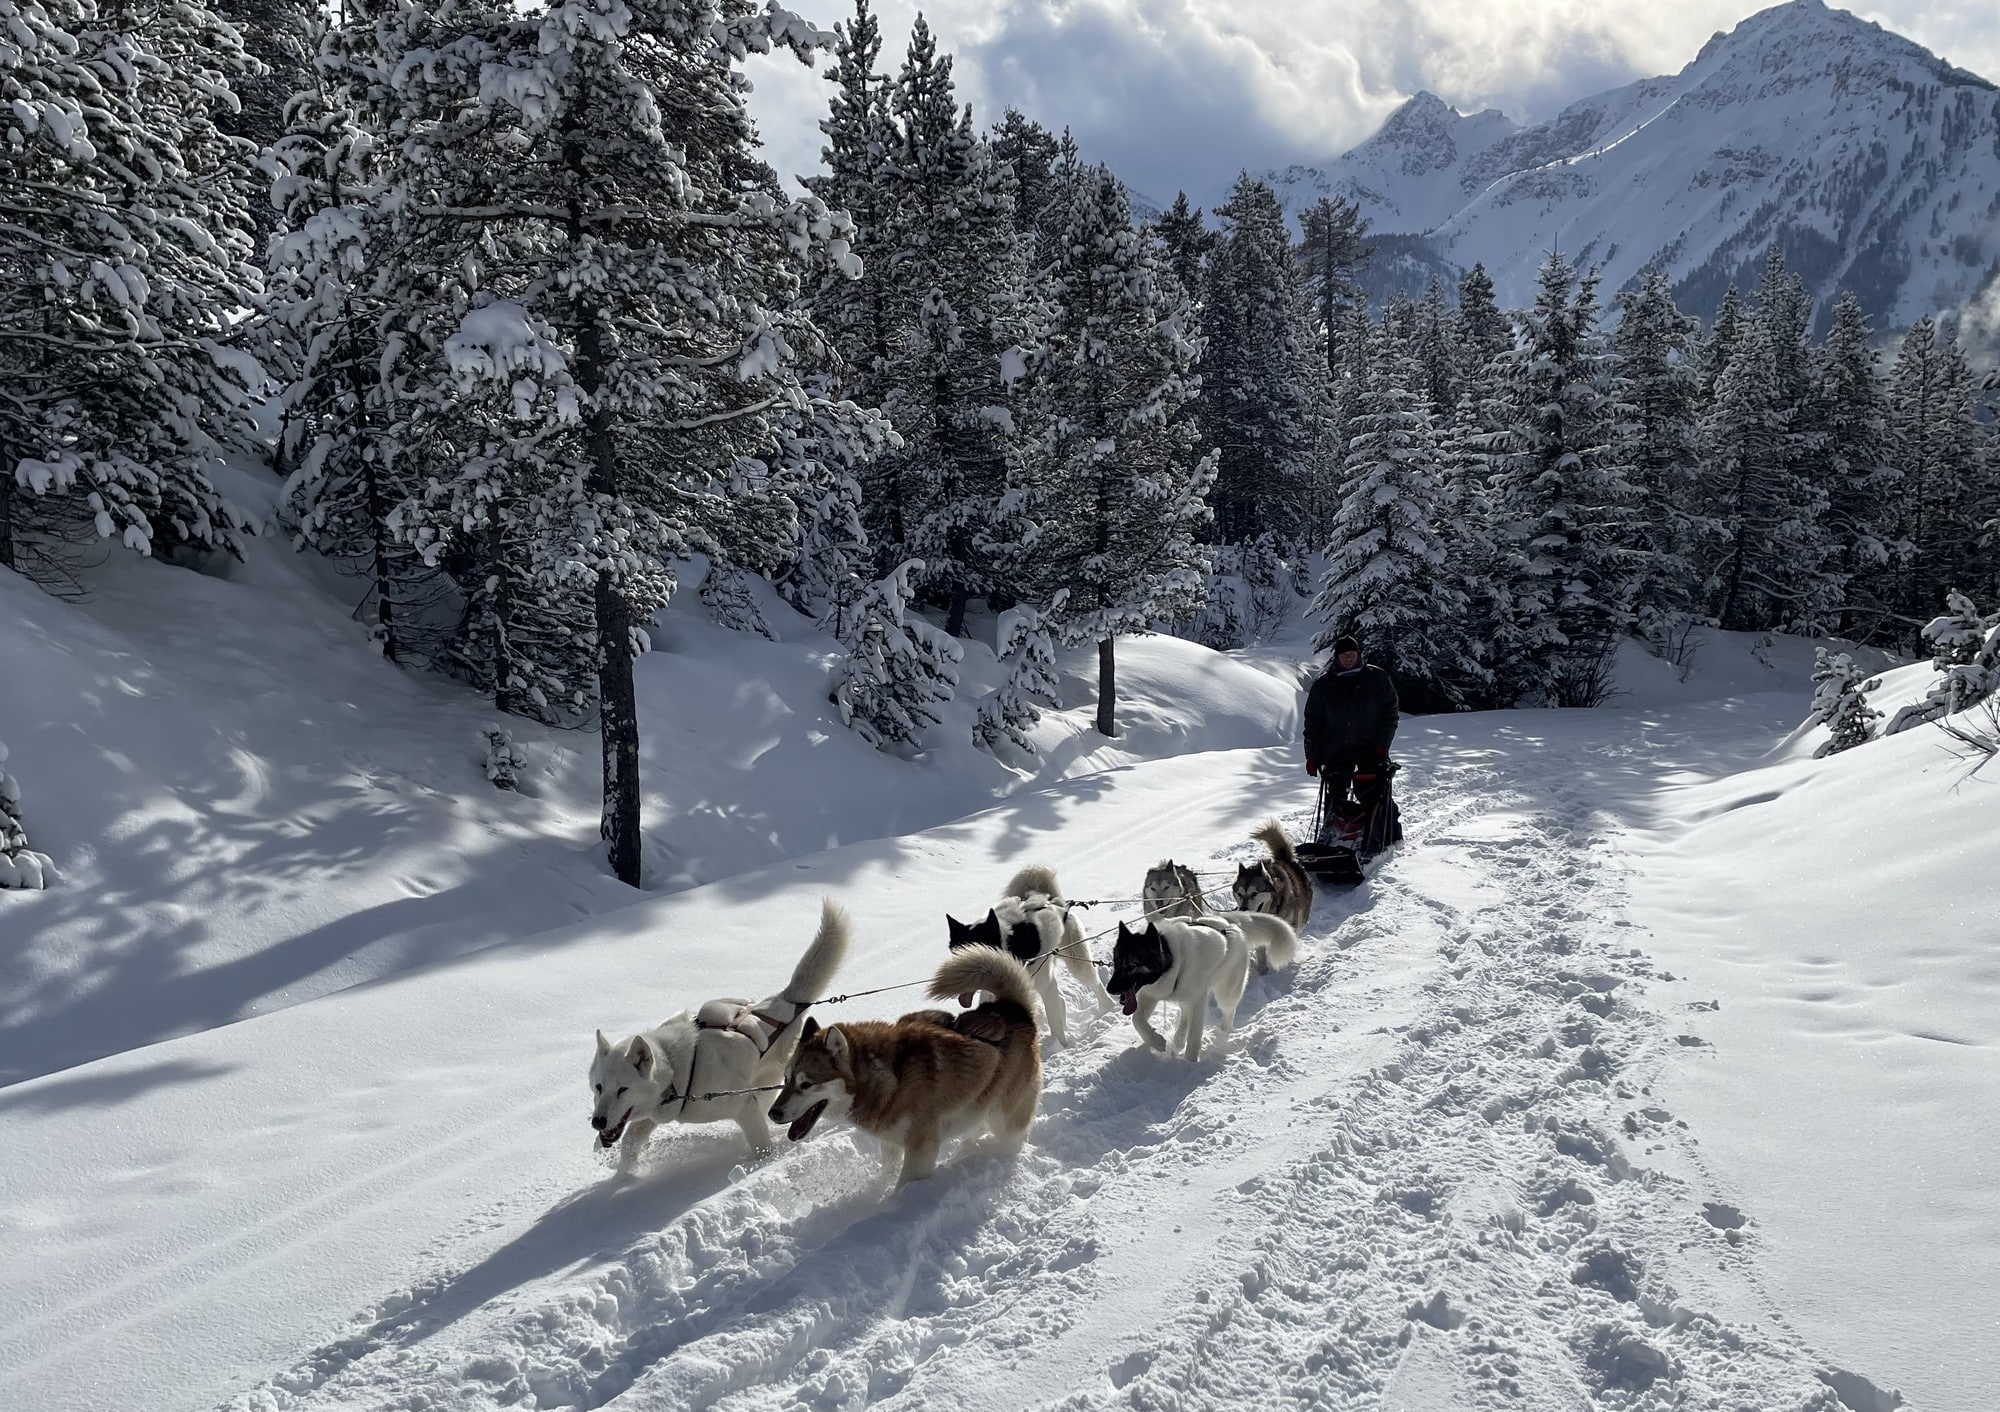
(1276, 884)
(1273, 944)
(930, 1076)
(1185, 963)
(660, 1075)
(1030, 923)
(1172, 890)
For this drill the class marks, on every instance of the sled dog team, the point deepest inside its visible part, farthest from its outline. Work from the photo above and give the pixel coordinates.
(931, 1076)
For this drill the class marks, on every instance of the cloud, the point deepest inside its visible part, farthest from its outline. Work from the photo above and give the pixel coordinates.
(1183, 93)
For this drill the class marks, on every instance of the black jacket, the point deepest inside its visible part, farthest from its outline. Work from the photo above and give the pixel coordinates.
(1350, 715)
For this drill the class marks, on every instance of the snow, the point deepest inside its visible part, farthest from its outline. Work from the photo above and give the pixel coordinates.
(293, 1105)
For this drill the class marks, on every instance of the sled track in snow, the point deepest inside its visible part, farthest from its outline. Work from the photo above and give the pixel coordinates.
(1453, 1209)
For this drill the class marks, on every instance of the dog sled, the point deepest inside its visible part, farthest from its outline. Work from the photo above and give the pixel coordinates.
(1348, 832)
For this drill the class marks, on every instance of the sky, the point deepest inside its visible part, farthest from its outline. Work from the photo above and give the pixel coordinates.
(1182, 94)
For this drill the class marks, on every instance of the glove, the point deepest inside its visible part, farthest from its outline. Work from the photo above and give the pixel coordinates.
(1312, 767)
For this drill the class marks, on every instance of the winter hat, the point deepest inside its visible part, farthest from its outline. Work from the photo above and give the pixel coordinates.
(1346, 642)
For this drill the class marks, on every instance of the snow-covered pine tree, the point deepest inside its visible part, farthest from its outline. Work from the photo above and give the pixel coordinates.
(1943, 494)
(280, 35)
(1387, 579)
(1840, 701)
(630, 297)
(898, 669)
(966, 303)
(1965, 648)
(1654, 345)
(1563, 498)
(852, 306)
(505, 759)
(1858, 477)
(828, 567)
(1028, 640)
(1333, 251)
(1187, 242)
(1435, 352)
(1257, 372)
(1713, 356)
(1482, 330)
(1769, 566)
(1126, 480)
(124, 256)
(1043, 164)
(339, 303)
(21, 867)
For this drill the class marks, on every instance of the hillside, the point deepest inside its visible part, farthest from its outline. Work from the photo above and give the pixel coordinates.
(1872, 163)
(1651, 1046)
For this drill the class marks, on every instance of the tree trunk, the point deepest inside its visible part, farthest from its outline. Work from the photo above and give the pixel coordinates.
(1107, 688)
(617, 705)
(954, 623)
(6, 513)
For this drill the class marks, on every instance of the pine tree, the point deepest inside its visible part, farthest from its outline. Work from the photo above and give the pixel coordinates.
(1256, 372)
(124, 254)
(852, 305)
(1387, 578)
(1562, 497)
(1482, 331)
(1126, 478)
(335, 305)
(1333, 251)
(1028, 654)
(1654, 345)
(1719, 347)
(1042, 165)
(1770, 566)
(21, 867)
(280, 36)
(1187, 242)
(1859, 479)
(898, 669)
(1840, 701)
(965, 307)
(1941, 499)
(626, 352)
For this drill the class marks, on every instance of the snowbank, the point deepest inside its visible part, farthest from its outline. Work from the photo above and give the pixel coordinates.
(249, 807)
(1834, 925)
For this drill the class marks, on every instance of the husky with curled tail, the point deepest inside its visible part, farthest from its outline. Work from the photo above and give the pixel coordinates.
(1032, 923)
(1276, 884)
(659, 1075)
(931, 1076)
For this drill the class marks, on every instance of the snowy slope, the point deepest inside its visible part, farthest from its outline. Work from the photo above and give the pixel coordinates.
(250, 808)
(1834, 921)
(1872, 163)
(1465, 1155)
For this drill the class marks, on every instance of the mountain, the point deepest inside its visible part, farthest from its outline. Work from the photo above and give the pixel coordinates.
(1872, 163)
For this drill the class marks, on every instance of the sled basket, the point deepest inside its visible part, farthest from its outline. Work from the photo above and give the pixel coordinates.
(1348, 832)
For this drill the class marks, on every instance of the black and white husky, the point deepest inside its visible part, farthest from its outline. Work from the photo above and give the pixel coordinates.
(1184, 963)
(1032, 923)
(1277, 884)
(660, 1075)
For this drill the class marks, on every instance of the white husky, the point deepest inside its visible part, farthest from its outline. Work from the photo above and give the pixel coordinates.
(662, 1075)
(1033, 924)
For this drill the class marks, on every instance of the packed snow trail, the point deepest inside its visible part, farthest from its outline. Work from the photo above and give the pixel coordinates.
(1427, 1173)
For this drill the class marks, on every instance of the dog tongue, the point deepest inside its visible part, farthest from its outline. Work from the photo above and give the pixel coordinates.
(803, 1124)
(1130, 1000)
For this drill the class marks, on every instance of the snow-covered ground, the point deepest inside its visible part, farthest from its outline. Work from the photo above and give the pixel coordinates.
(1650, 1071)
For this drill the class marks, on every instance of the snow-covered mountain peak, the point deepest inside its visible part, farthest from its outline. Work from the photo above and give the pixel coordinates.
(1873, 163)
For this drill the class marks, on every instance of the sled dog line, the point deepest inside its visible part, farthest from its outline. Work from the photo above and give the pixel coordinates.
(935, 1075)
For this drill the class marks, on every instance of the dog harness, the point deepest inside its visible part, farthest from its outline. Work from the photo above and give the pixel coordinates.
(738, 1023)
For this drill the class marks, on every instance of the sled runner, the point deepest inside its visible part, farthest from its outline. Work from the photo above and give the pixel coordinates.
(1349, 832)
